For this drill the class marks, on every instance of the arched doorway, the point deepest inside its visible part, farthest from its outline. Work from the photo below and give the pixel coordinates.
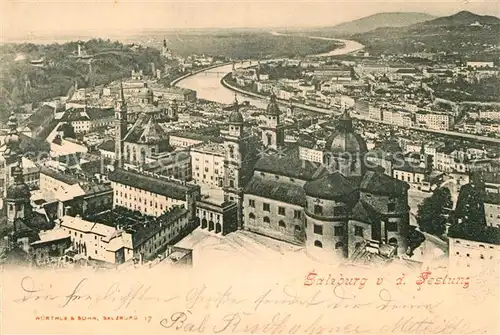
(210, 225)
(218, 228)
(339, 245)
(204, 223)
(318, 244)
(393, 241)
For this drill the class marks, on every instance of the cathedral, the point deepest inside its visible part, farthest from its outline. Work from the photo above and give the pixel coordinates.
(26, 223)
(143, 139)
(333, 209)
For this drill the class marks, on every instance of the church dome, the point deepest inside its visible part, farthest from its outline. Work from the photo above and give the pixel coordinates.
(235, 117)
(12, 139)
(19, 190)
(345, 140)
(272, 107)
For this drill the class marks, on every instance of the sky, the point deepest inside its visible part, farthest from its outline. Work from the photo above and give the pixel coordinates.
(109, 17)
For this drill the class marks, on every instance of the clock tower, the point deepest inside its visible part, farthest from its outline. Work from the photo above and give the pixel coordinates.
(235, 162)
(120, 128)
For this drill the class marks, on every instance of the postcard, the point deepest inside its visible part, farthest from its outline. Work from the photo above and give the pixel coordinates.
(249, 167)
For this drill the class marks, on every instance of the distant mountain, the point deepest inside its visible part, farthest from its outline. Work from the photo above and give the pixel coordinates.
(381, 20)
(463, 18)
(463, 33)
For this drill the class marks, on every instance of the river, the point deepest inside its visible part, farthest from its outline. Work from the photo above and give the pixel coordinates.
(207, 83)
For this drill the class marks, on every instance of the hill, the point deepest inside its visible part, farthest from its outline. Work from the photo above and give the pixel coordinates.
(23, 82)
(462, 33)
(235, 44)
(380, 20)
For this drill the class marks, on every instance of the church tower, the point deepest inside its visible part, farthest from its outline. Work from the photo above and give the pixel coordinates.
(120, 128)
(234, 147)
(18, 196)
(273, 132)
(12, 152)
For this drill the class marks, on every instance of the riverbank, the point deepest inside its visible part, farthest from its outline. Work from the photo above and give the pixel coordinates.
(187, 75)
(476, 138)
(243, 92)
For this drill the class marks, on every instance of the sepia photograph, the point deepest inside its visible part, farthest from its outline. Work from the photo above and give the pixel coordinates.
(250, 167)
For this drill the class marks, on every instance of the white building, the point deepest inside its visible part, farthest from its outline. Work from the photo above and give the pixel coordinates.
(465, 254)
(207, 163)
(150, 194)
(438, 121)
(98, 241)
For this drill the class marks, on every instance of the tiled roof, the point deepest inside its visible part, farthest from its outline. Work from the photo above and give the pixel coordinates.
(108, 145)
(146, 130)
(379, 183)
(168, 188)
(144, 232)
(492, 198)
(363, 213)
(100, 113)
(280, 191)
(331, 186)
(288, 165)
(65, 178)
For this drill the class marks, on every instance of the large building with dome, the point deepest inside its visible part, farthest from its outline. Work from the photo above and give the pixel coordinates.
(333, 209)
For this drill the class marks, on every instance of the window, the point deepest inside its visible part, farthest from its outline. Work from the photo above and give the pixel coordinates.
(282, 224)
(277, 177)
(297, 229)
(391, 207)
(340, 211)
(318, 229)
(292, 180)
(338, 231)
(318, 244)
(251, 216)
(266, 207)
(318, 210)
(281, 211)
(392, 226)
(251, 203)
(262, 174)
(266, 219)
(358, 231)
(297, 214)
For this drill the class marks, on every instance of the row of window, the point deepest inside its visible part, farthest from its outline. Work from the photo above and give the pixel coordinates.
(277, 177)
(297, 214)
(281, 223)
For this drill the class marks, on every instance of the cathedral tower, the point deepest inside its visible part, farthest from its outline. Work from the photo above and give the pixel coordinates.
(12, 152)
(120, 128)
(234, 162)
(18, 196)
(273, 132)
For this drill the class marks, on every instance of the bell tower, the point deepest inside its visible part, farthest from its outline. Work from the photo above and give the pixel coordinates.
(120, 128)
(273, 132)
(234, 148)
(12, 152)
(18, 196)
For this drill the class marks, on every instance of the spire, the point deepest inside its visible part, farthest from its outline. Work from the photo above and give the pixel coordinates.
(272, 107)
(12, 138)
(122, 96)
(17, 173)
(236, 103)
(345, 121)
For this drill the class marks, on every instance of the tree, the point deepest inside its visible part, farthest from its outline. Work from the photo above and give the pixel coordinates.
(469, 217)
(431, 215)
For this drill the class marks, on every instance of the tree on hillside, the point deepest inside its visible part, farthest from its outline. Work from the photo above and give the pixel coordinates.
(431, 215)
(470, 218)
